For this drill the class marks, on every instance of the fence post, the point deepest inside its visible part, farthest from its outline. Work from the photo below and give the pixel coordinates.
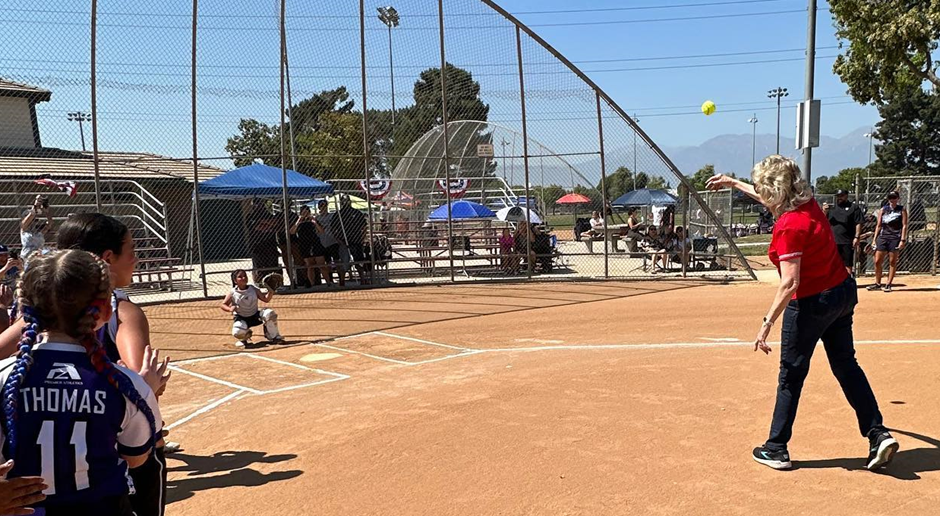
(450, 224)
(195, 197)
(365, 138)
(288, 248)
(605, 216)
(525, 157)
(94, 101)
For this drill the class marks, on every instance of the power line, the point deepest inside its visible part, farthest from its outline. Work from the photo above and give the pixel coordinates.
(414, 15)
(564, 71)
(383, 67)
(404, 28)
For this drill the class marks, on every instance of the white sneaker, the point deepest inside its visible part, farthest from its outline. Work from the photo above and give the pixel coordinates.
(240, 344)
(171, 447)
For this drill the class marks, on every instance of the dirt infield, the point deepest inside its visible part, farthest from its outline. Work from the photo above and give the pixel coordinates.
(535, 399)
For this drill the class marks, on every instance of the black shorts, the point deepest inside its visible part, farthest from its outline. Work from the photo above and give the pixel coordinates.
(254, 320)
(847, 252)
(315, 249)
(888, 244)
(332, 253)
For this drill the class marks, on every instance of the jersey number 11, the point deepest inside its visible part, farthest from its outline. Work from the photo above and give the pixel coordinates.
(46, 444)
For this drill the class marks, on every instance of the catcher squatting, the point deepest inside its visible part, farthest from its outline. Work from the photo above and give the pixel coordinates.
(242, 303)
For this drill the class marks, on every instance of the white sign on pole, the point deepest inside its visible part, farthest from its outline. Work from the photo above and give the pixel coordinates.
(485, 150)
(807, 124)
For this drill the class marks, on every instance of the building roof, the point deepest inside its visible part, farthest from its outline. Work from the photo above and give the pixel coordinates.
(17, 89)
(64, 164)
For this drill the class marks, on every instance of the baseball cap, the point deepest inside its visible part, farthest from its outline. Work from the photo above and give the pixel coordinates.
(3, 249)
(842, 192)
(894, 195)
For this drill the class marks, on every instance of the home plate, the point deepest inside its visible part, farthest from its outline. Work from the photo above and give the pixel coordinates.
(319, 357)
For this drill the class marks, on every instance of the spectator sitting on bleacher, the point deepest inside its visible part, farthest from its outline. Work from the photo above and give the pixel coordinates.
(597, 224)
(508, 262)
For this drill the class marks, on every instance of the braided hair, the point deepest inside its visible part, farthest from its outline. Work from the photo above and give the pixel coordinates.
(65, 291)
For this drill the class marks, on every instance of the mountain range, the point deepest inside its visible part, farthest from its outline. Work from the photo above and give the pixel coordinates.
(732, 153)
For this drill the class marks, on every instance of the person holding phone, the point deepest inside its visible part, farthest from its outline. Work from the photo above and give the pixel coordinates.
(36, 222)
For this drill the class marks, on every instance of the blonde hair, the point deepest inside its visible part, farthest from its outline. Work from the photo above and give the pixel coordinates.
(780, 184)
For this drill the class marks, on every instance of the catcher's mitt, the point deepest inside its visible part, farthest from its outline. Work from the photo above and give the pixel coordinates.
(272, 281)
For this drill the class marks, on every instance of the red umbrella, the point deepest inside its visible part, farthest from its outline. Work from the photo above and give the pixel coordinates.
(573, 198)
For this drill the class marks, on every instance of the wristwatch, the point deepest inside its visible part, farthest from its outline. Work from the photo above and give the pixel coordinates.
(768, 322)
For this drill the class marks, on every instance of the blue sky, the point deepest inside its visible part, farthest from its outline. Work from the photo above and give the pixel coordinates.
(144, 64)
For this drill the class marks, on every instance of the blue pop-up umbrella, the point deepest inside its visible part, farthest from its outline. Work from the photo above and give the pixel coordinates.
(462, 210)
(645, 197)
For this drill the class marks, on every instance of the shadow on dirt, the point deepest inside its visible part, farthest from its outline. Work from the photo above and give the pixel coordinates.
(905, 466)
(203, 472)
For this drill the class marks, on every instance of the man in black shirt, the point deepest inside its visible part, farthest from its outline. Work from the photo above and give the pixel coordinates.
(349, 226)
(846, 220)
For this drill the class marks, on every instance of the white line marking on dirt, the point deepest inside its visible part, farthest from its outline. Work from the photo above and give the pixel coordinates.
(541, 341)
(420, 341)
(204, 359)
(672, 345)
(215, 380)
(276, 361)
(376, 357)
(205, 409)
(338, 377)
(448, 357)
(721, 339)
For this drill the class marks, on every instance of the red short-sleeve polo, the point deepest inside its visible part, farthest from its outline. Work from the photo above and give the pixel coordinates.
(805, 233)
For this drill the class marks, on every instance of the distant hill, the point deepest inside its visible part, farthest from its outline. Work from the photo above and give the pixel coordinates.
(732, 153)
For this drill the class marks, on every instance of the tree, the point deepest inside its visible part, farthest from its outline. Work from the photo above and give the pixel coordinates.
(642, 180)
(909, 133)
(844, 180)
(618, 183)
(890, 45)
(699, 179)
(657, 183)
(548, 195)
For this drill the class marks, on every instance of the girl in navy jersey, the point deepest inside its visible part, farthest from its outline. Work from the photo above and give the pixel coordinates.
(70, 415)
(890, 238)
(125, 335)
(815, 301)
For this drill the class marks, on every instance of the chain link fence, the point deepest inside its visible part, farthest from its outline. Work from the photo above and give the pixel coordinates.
(337, 143)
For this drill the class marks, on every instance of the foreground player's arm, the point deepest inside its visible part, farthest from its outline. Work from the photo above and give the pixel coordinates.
(133, 334)
(227, 305)
(137, 438)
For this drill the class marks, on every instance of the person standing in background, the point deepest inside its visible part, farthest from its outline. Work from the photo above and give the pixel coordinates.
(846, 220)
(890, 239)
(37, 221)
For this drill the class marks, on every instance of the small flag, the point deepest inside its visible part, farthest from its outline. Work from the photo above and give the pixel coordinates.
(63, 186)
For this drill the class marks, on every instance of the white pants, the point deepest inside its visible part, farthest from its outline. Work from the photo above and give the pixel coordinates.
(267, 317)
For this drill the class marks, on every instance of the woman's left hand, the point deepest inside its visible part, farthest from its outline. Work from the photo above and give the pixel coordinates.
(719, 182)
(761, 341)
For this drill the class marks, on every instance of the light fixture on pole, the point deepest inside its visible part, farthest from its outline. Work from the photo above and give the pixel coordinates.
(753, 122)
(778, 93)
(389, 16)
(80, 116)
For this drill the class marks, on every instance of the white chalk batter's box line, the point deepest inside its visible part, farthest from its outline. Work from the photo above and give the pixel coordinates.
(335, 376)
(462, 352)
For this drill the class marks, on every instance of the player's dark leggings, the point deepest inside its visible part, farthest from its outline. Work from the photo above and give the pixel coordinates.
(112, 506)
(826, 316)
(150, 485)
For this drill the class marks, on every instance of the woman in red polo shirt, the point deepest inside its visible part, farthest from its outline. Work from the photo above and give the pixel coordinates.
(816, 299)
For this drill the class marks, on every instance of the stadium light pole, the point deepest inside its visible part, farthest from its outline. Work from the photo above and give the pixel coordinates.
(389, 16)
(753, 122)
(80, 116)
(778, 93)
(635, 119)
(871, 143)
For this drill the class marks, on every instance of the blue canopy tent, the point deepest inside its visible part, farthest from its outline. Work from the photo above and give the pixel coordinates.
(645, 197)
(261, 181)
(462, 210)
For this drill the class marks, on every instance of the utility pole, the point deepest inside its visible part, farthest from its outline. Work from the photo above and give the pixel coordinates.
(753, 122)
(80, 116)
(871, 144)
(810, 74)
(778, 94)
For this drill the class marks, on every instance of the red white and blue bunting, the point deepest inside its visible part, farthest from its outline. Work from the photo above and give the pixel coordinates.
(457, 187)
(376, 188)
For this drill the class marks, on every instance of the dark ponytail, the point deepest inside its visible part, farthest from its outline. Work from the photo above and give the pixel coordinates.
(92, 232)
